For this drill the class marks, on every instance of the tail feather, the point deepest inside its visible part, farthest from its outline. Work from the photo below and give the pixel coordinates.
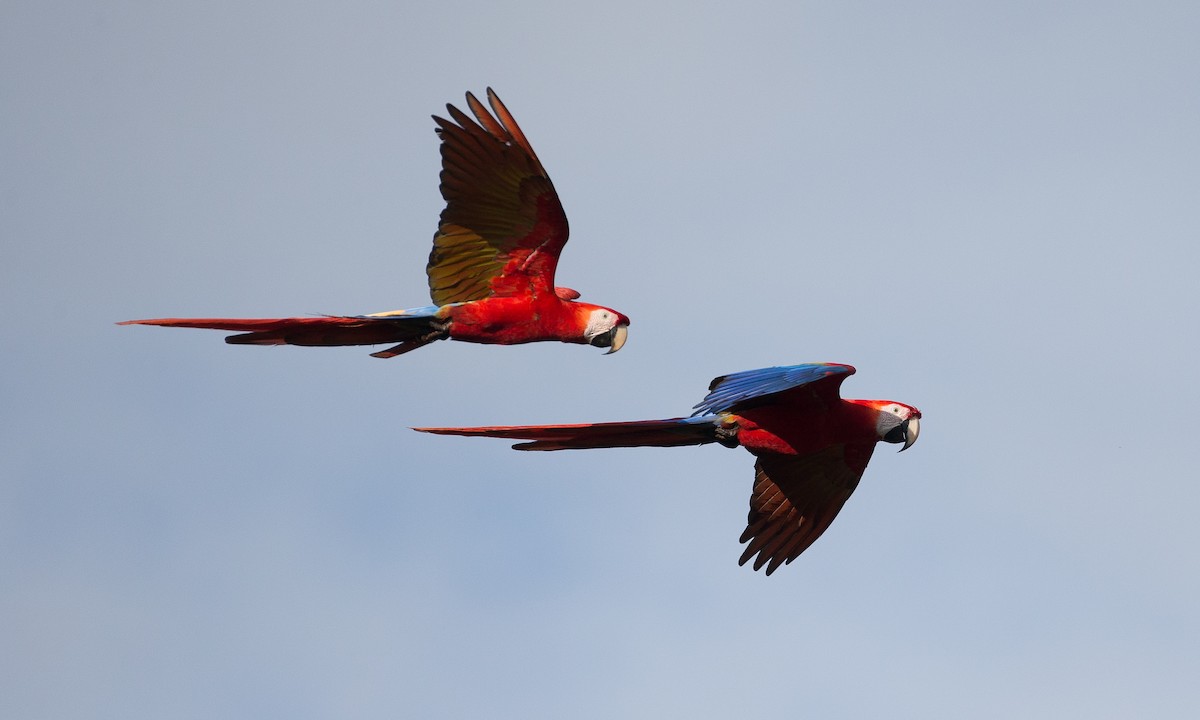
(656, 433)
(418, 329)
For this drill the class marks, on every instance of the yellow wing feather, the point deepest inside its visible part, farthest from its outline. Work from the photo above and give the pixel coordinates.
(503, 226)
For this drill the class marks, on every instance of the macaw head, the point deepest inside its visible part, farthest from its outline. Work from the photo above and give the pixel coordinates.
(605, 328)
(897, 422)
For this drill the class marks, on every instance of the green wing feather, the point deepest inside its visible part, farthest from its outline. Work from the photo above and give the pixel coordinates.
(503, 226)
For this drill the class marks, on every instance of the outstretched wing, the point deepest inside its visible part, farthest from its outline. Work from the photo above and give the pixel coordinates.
(738, 391)
(796, 498)
(503, 226)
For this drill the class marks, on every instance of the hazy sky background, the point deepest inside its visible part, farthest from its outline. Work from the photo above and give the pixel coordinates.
(991, 209)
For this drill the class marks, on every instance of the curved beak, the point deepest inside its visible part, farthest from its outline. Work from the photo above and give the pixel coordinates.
(912, 428)
(617, 337)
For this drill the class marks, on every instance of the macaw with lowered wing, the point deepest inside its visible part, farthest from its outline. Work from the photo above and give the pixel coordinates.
(810, 446)
(491, 271)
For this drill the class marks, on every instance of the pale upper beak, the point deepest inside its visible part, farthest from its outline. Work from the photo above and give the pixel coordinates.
(617, 337)
(912, 428)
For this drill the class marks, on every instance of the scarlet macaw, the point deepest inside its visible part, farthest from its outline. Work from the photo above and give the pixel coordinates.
(491, 271)
(811, 446)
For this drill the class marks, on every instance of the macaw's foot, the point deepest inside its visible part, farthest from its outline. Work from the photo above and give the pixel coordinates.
(438, 331)
(727, 433)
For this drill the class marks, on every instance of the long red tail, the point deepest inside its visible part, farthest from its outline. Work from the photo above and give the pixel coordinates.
(412, 330)
(656, 433)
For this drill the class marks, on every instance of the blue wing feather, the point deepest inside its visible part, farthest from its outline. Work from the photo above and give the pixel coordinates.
(728, 391)
(423, 311)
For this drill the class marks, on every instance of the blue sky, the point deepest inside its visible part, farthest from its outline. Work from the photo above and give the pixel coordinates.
(989, 209)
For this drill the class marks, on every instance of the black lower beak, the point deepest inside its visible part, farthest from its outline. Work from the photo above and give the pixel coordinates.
(906, 432)
(613, 339)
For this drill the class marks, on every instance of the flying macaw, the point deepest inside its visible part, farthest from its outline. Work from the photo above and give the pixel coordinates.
(491, 271)
(810, 446)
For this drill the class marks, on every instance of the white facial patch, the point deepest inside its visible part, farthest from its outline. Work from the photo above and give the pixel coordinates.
(600, 322)
(890, 416)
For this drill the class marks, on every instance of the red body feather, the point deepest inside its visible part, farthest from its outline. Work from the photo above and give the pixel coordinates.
(511, 320)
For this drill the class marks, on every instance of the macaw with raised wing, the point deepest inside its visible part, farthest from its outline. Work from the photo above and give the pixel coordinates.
(810, 446)
(491, 271)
